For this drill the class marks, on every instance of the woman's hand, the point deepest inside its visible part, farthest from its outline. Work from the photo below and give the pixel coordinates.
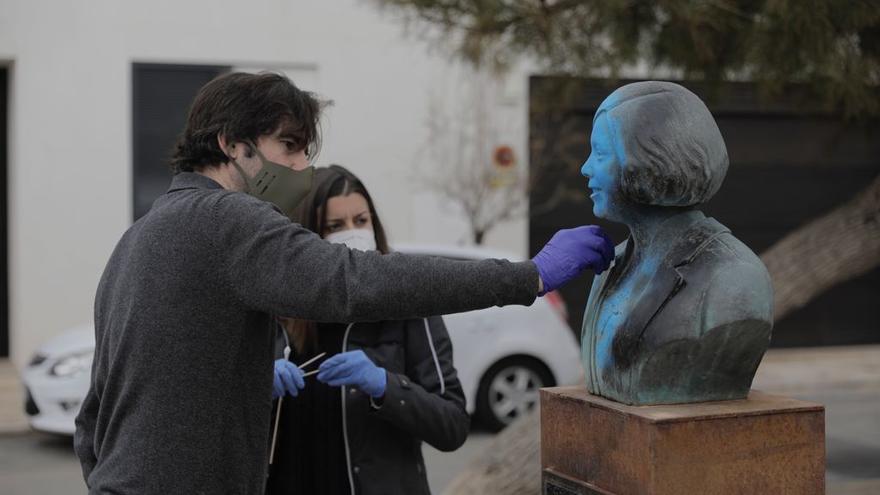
(288, 378)
(355, 369)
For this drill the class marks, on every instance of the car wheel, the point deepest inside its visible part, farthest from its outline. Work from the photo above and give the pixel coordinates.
(509, 390)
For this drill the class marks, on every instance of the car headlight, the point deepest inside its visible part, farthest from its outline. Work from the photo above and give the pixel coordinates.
(37, 360)
(72, 365)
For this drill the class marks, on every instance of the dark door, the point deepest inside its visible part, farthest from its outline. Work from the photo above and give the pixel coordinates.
(4, 239)
(789, 165)
(161, 96)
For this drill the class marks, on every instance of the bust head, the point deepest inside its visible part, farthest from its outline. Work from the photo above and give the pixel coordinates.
(653, 143)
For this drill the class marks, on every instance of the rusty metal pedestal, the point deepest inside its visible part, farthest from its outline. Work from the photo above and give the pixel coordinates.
(765, 444)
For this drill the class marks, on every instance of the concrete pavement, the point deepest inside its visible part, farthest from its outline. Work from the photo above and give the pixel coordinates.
(12, 417)
(845, 379)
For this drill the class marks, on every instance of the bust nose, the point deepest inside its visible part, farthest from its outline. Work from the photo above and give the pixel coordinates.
(586, 169)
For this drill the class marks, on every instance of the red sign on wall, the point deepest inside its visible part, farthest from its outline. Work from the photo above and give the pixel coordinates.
(504, 156)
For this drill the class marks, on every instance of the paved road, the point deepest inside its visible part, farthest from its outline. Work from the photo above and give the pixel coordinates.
(852, 436)
(39, 464)
(847, 381)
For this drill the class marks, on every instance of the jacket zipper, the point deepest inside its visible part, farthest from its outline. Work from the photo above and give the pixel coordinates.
(344, 419)
(436, 359)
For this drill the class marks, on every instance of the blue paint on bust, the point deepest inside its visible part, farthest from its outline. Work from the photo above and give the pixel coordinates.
(603, 167)
(614, 310)
(604, 338)
(603, 172)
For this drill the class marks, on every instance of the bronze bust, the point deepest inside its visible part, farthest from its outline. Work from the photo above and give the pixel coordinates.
(685, 311)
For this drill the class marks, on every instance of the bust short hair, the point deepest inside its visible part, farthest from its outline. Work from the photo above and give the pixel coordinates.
(675, 154)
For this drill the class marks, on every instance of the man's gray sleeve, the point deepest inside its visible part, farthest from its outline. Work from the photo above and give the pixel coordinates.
(278, 267)
(84, 437)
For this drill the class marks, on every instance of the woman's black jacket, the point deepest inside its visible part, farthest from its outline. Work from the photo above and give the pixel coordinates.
(423, 401)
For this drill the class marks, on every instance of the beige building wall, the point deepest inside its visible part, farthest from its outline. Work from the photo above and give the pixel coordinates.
(70, 156)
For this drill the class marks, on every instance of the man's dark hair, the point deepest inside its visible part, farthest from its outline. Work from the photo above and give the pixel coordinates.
(243, 107)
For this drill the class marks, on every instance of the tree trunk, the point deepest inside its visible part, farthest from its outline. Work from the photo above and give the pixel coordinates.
(836, 247)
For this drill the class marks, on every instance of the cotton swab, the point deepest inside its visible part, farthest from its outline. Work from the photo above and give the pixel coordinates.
(310, 361)
(278, 414)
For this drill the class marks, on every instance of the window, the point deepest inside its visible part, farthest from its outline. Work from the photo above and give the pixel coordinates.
(161, 96)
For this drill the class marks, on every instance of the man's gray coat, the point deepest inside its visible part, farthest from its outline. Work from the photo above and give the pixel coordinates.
(180, 391)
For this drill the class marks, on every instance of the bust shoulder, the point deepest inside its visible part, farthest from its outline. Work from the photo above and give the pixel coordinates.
(733, 282)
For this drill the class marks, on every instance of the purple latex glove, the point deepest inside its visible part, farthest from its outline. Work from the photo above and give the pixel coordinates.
(288, 378)
(571, 251)
(354, 368)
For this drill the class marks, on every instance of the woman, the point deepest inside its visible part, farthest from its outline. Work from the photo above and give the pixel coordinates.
(383, 387)
(684, 314)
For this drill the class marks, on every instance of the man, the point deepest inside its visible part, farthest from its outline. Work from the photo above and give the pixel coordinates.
(182, 374)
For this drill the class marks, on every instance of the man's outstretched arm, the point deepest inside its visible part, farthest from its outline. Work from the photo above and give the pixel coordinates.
(281, 268)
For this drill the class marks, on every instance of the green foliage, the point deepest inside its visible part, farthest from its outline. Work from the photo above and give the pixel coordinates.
(830, 46)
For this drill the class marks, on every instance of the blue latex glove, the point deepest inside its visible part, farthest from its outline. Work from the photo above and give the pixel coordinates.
(569, 252)
(355, 369)
(288, 378)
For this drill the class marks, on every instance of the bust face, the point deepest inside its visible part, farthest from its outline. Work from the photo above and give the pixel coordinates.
(602, 170)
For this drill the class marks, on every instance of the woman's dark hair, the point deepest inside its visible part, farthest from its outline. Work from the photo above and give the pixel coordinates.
(243, 107)
(330, 182)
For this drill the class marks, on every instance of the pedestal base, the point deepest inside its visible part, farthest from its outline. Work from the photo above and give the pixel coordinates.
(763, 444)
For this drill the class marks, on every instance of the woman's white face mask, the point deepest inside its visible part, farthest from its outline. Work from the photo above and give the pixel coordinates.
(362, 239)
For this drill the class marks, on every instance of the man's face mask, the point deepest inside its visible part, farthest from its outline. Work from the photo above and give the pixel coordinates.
(277, 184)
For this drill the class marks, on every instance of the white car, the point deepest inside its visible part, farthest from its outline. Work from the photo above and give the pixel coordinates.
(57, 378)
(503, 356)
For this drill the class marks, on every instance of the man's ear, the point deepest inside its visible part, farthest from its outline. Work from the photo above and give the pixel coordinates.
(228, 149)
(231, 150)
